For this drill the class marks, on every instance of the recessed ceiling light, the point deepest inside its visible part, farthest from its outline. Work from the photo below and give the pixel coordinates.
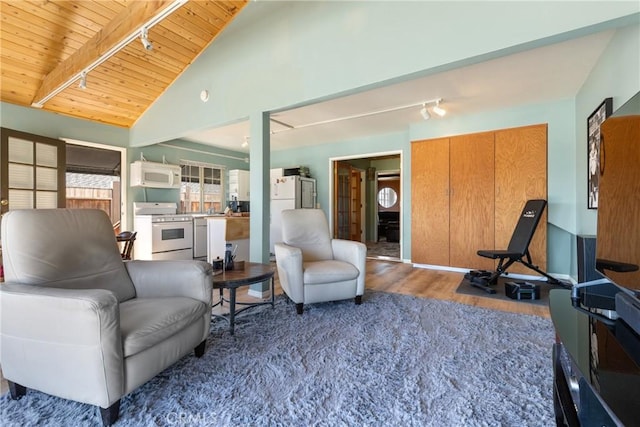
(204, 95)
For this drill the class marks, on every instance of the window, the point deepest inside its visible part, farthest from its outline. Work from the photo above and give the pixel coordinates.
(202, 187)
(31, 171)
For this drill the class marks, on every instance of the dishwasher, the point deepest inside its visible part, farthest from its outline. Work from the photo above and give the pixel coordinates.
(200, 238)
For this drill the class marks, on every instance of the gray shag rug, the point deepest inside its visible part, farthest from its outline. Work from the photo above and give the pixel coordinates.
(395, 360)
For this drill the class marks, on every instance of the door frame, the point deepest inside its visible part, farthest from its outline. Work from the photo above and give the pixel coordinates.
(367, 156)
(377, 188)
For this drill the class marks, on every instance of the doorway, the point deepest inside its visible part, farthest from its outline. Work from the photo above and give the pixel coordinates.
(367, 202)
(95, 174)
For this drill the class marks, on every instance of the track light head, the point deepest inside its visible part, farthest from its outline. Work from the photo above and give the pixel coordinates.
(424, 112)
(144, 38)
(83, 80)
(439, 111)
(245, 144)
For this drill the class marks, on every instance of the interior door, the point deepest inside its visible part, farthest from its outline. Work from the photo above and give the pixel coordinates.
(521, 174)
(342, 200)
(32, 171)
(471, 202)
(430, 201)
(355, 220)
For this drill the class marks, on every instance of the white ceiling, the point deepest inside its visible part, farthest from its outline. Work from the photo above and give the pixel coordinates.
(538, 75)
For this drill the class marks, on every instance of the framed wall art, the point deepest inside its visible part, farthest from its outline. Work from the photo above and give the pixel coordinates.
(593, 150)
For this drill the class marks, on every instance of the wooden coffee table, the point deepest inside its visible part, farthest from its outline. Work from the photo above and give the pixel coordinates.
(233, 279)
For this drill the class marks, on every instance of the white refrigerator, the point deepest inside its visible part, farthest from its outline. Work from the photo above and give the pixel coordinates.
(289, 192)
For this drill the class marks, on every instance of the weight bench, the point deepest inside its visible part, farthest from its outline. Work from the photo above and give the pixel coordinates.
(518, 249)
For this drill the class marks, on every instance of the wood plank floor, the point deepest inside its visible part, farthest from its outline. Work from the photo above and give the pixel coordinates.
(405, 279)
(401, 278)
(398, 277)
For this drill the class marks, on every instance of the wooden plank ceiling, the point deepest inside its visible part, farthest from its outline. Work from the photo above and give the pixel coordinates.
(45, 42)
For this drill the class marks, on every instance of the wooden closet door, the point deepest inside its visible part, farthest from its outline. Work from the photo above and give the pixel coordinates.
(471, 207)
(521, 174)
(430, 202)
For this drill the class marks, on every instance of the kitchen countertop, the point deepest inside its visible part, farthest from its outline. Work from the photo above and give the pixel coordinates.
(236, 227)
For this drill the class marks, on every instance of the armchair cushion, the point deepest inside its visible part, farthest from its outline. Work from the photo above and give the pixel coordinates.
(145, 322)
(330, 271)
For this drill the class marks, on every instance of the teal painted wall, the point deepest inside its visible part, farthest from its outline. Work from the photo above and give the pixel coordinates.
(318, 158)
(53, 125)
(276, 55)
(566, 121)
(294, 53)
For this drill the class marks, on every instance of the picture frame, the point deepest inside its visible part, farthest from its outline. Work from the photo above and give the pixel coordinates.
(594, 121)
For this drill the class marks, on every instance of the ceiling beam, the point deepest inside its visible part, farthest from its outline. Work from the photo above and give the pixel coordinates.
(126, 22)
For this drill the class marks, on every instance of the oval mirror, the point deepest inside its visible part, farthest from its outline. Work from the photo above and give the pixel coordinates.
(387, 197)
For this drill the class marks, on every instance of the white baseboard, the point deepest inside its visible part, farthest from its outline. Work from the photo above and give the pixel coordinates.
(564, 277)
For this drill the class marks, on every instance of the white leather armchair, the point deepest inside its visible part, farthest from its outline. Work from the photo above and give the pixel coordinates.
(313, 267)
(81, 324)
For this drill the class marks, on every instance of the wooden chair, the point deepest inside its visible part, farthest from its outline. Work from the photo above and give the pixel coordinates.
(126, 237)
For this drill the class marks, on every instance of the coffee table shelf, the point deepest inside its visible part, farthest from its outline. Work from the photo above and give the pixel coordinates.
(234, 279)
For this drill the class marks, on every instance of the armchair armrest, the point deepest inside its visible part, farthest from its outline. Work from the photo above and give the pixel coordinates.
(53, 337)
(290, 273)
(354, 253)
(154, 279)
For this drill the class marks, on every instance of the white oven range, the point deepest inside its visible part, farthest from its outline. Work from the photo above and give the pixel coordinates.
(162, 234)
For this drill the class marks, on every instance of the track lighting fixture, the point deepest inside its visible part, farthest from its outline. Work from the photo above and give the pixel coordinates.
(141, 32)
(83, 80)
(439, 111)
(424, 112)
(144, 38)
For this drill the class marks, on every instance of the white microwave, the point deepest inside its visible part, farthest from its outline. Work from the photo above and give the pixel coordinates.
(155, 175)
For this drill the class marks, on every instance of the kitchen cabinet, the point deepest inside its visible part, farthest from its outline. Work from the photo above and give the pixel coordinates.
(224, 229)
(239, 185)
(199, 238)
(468, 192)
